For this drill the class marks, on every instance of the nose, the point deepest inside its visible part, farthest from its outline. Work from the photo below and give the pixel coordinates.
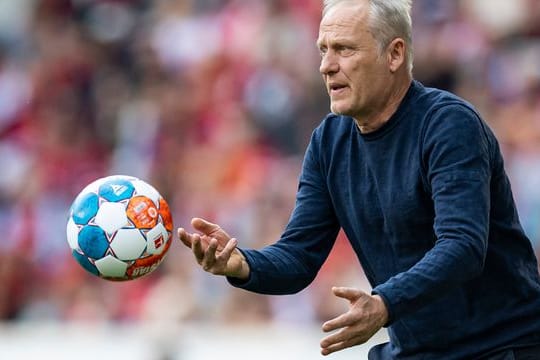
(329, 64)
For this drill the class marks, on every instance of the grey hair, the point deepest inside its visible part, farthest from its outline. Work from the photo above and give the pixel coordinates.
(389, 19)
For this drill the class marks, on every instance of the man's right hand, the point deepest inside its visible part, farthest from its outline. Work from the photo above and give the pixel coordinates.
(214, 250)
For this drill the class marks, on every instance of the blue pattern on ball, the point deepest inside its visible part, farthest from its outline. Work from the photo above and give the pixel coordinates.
(85, 208)
(116, 190)
(85, 263)
(93, 241)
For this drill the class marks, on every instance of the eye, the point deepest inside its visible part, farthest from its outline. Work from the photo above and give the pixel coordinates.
(345, 51)
(322, 51)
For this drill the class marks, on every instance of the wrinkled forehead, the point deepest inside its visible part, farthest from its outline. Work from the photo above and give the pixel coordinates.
(344, 20)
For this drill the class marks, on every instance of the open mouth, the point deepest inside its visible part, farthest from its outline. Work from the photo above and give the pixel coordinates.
(336, 88)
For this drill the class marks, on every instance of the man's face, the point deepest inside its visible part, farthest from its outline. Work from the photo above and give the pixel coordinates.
(355, 74)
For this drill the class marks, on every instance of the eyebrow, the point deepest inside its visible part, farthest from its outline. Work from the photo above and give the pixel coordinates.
(339, 41)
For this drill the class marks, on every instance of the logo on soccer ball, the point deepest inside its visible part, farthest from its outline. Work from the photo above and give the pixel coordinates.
(118, 189)
(159, 242)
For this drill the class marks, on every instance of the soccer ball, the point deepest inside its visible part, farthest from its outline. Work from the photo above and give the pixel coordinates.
(119, 228)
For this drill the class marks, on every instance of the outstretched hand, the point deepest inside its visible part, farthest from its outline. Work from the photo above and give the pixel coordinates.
(214, 250)
(366, 315)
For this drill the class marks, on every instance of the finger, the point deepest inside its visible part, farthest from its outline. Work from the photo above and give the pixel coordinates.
(210, 255)
(333, 348)
(184, 237)
(226, 253)
(204, 226)
(335, 338)
(347, 293)
(338, 322)
(196, 247)
(342, 345)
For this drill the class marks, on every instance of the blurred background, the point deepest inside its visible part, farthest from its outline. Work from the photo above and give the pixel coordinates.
(213, 103)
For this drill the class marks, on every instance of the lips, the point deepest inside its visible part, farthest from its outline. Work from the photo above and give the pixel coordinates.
(335, 88)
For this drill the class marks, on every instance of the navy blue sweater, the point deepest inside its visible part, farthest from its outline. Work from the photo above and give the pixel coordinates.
(428, 209)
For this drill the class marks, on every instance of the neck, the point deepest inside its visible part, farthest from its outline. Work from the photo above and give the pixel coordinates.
(375, 121)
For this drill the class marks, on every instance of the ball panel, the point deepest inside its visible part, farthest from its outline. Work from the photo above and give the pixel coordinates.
(93, 241)
(116, 189)
(85, 208)
(156, 239)
(111, 267)
(145, 189)
(111, 216)
(72, 232)
(128, 244)
(85, 263)
(142, 212)
(165, 213)
(147, 265)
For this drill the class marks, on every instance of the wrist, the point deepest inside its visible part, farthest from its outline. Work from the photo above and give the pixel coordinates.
(242, 270)
(382, 310)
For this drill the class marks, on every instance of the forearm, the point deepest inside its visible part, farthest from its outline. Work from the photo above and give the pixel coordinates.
(275, 271)
(445, 267)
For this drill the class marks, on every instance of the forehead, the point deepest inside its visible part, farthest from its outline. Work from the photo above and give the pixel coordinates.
(344, 20)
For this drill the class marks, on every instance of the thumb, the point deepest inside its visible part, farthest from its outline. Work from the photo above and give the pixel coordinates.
(347, 293)
(204, 226)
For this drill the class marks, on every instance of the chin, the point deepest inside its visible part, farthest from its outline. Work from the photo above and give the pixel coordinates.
(340, 109)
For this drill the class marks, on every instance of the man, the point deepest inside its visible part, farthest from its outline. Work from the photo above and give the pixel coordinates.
(416, 180)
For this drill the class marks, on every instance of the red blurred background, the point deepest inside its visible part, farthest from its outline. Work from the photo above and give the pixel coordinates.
(212, 102)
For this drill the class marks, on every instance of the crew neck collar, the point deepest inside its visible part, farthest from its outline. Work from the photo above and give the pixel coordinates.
(396, 116)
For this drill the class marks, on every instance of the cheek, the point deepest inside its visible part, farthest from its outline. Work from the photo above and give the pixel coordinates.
(358, 70)
(365, 76)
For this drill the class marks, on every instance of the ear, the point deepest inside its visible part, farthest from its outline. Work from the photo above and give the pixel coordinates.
(395, 53)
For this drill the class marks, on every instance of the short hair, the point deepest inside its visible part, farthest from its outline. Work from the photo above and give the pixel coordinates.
(388, 19)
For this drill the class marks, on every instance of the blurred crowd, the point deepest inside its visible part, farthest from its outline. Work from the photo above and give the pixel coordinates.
(212, 102)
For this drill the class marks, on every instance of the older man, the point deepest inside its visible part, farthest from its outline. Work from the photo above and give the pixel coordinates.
(416, 180)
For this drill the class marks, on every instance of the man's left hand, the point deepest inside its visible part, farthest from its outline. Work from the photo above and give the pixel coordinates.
(366, 315)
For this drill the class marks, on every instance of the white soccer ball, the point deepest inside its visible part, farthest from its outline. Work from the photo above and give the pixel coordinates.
(119, 228)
